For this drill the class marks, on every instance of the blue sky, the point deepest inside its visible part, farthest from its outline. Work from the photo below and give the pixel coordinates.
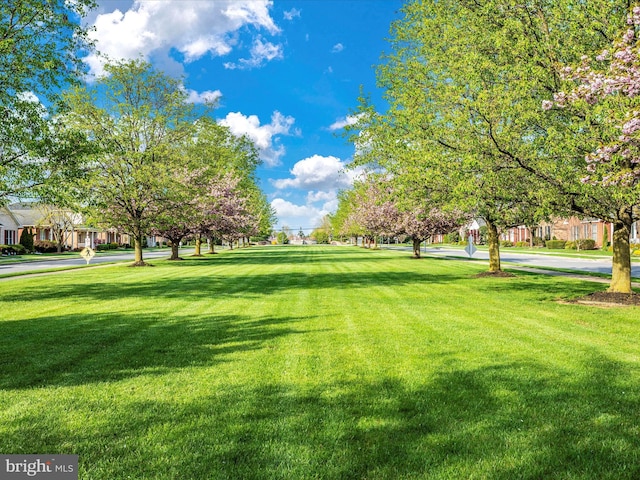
(285, 72)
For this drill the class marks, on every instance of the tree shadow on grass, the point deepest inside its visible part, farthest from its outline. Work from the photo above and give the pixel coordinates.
(205, 282)
(80, 349)
(294, 255)
(538, 286)
(515, 420)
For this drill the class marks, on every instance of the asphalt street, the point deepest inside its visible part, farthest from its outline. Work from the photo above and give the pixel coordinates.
(99, 258)
(580, 265)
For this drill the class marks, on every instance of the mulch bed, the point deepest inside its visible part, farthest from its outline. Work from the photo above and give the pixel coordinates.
(609, 299)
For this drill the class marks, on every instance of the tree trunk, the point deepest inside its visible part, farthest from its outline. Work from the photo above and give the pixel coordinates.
(137, 248)
(621, 266)
(212, 248)
(175, 250)
(416, 248)
(493, 237)
(198, 253)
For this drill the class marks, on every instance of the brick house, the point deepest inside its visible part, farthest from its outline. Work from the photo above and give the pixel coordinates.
(48, 223)
(569, 229)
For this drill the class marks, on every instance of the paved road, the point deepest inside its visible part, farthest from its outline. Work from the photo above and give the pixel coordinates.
(40, 265)
(585, 265)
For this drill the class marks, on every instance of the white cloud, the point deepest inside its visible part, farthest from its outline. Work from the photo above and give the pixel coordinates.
(313, 197)
(321, 178)
(284, 208)
(208, 96)
(261, 52)
(191, 27)
(337, 48)
(296, 216)
(264, 136)
(317, 173)
(343, 122)
(291, 14)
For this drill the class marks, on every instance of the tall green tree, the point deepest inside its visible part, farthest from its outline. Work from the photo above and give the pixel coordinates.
(343, 221)
(41, 43)
(465, 80)
(216, 153)
(138, 118)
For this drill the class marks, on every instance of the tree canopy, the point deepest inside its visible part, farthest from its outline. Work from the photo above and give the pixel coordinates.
(465, 82)
(41, 44)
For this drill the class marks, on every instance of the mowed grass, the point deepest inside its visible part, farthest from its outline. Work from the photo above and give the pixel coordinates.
(312, 362)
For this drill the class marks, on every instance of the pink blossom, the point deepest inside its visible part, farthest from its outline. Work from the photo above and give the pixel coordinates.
(609, 164)
(631, 126)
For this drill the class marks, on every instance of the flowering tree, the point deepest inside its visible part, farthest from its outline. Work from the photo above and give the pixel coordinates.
(60, 221)
(177, 220)
(222, 210)
(375, 210)
(602, 98)
(422, 223)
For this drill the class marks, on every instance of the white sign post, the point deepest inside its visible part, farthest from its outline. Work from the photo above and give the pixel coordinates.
(470, 248)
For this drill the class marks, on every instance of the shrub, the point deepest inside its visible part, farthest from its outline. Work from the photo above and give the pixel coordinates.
(538, 242)
(15, 249)
(320, 236)
(282, 238)
(570, 246)
(7, 250)
(26, 239)
(45, 246)
(100, 247)
(19, 249)
(506, 243)
(556, 244)
(452, 237)
(522, 244)
(586, 244)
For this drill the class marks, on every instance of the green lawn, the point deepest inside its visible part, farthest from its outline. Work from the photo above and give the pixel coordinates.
(312, 362)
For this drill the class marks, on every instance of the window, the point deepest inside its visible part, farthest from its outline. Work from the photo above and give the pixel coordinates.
(547, 232)
(10, 237)
(575, 233)
(594, 232)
